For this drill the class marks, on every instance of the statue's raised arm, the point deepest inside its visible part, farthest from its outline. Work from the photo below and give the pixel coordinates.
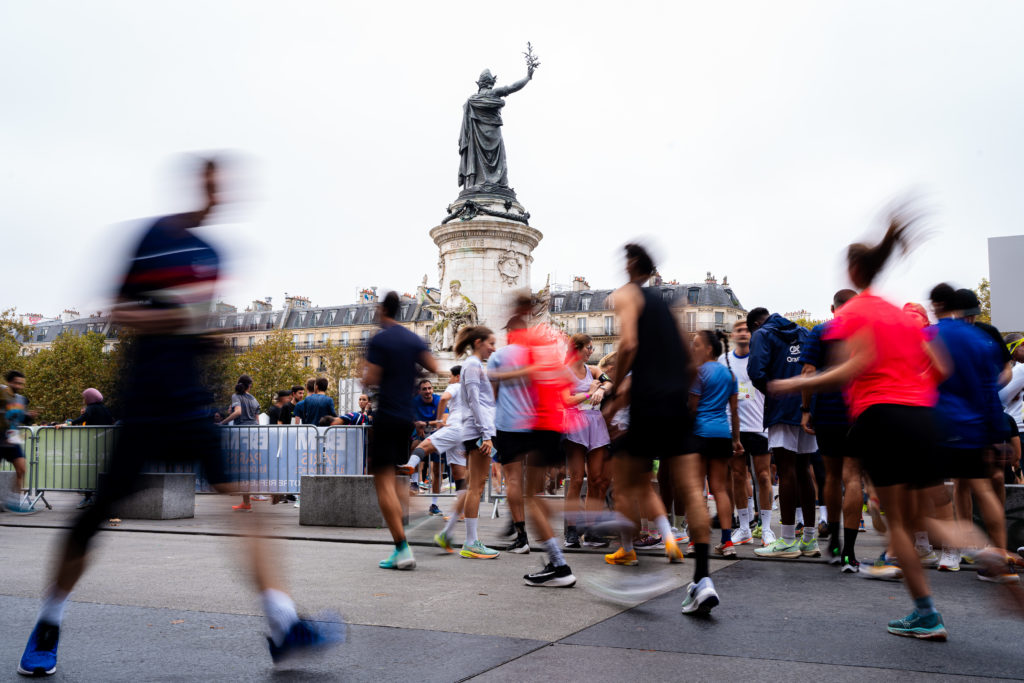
(481, 147)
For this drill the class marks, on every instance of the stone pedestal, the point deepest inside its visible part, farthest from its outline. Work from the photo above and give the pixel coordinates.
(343, 500)
(486, 244)
(159, 496)
(7, 480)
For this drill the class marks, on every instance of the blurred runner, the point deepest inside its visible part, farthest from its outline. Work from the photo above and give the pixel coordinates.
(165, 296)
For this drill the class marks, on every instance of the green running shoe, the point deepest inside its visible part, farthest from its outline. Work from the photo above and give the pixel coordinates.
(780, 548)
(915, 626)
(444, 542)
(809, 546)
(399, 559)
(477, 550)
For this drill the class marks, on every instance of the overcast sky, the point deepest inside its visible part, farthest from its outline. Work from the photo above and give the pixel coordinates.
(752, 140)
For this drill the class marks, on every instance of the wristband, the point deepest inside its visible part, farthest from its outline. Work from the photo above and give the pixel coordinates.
(804, 410)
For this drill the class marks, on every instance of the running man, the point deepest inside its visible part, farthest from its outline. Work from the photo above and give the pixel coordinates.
(661, 370)
(391, 361)
(446, 440)
(12, 416)
(164, 298)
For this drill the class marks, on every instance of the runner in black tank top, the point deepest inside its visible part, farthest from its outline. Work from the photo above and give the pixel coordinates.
(651, 346)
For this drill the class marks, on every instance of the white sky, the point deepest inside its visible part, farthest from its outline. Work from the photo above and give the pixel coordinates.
(754, 140)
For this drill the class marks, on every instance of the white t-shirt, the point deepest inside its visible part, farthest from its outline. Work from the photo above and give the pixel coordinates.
(454, 405)
(751, 401)
(1012, 395)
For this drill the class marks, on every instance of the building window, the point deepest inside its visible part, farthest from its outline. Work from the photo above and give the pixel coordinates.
(609, 325)
(252, 342)
(234, 341)
(691, 321)
(693, 295)
(364, 336)
(581, 325)
(719, 320)
(666, 295)
(344, 338)
(295, 340)
(309, 339)
(557, 303)
(325, 339)
(607, 348)
(239, 319)
(349, 315)
(585, 302)
(305, 361)
(403, 313)
(223, 321)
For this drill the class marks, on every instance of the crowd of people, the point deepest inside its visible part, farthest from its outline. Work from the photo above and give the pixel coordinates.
(875, 409)
(894, 406)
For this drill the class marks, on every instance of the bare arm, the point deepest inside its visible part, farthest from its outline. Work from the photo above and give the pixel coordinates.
(371, 374)
(441, 406)
(862, 355)
(428, 362)
(235, 412)
(734, 414)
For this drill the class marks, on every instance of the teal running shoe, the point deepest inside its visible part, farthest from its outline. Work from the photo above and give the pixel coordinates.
(781, 548)
(915, 626)
(444, 542)
(399, 559)
(808, 545)
(478, 551)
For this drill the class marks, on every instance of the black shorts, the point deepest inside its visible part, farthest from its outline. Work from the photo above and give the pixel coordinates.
(10, 452)
(654, 437)
(896, 445)
(963, 463)
(545, 449)
(512, 446)
(470, 445)
(833, 440)
(754, 443)
(389, 443)
(713, 448)
(1012, 431)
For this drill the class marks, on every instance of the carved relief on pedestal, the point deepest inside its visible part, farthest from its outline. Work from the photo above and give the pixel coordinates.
(510, 267)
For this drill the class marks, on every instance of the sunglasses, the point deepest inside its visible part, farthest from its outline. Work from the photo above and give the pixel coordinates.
(1012, 346)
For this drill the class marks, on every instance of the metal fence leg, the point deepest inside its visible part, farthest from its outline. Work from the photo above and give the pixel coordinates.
(35, 495)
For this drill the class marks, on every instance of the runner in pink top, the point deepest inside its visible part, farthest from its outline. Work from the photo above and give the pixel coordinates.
(890, 378)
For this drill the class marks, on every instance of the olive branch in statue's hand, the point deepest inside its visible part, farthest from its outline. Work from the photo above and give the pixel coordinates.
(532, 62)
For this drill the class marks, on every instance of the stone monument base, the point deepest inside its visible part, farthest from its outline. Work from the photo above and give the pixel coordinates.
(343, 500)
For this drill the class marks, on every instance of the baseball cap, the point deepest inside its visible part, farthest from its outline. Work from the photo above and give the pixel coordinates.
(967, 302)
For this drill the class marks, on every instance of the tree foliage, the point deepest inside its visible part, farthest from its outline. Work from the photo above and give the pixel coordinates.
(985, 299)
(272, 364)
(807, 323)
(57, 376)
(10, 332)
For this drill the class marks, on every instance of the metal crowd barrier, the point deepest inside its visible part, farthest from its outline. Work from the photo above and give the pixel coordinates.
(260, 459)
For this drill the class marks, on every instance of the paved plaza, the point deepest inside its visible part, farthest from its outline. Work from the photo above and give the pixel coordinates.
(171, 600)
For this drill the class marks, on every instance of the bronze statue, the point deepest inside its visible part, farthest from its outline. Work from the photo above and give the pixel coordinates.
(481, 147)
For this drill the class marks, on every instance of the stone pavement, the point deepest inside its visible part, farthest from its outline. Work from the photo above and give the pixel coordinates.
(171, 601)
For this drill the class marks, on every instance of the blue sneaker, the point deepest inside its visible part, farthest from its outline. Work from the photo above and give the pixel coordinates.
(307, 635)
(40, 658)
(399, 559)
(435, 511)
(915, 626)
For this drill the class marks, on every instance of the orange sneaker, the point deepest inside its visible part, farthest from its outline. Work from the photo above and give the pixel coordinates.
(672, 550)
(242, 507)
(622, 557)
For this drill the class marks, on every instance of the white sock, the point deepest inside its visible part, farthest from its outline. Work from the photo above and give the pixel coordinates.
(921, 539)
(453, 516)
(281, 615)
(823, 513)
(800, 516)
(554, 552)
(52, 609)
(766, 519)
(750, 507)
(663, 527)
(626, 538)
(414, 461)
(471, 530)
(433, 500)
(744, 515)
(415, 477)
(788, 532)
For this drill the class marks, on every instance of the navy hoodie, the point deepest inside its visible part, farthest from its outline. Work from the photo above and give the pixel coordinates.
(775, 354)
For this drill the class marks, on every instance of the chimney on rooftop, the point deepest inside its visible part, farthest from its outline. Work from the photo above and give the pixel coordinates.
(579, 283)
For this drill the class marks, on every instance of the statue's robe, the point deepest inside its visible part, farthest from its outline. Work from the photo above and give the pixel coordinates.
(481, 148)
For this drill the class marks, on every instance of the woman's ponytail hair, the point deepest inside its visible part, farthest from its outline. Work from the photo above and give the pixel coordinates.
(723, 340)
(867, 261)
(714, 339)
(468, 337)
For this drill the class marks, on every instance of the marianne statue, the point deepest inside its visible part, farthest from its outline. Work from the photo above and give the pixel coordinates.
(481, 148)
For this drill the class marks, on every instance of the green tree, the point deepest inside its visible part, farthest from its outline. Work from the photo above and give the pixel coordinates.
(56, 377)
(807, 322)
(273, 366)
(985, 299)
(11, 334)
(340, 362)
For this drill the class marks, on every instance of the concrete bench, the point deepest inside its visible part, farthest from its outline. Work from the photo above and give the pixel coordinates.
(343, 500)
(158, 496)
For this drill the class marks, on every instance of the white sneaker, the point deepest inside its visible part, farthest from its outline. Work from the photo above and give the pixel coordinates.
(701, 597)
(767, 536)
(927, 556)
(742, 537)
(950, 561)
